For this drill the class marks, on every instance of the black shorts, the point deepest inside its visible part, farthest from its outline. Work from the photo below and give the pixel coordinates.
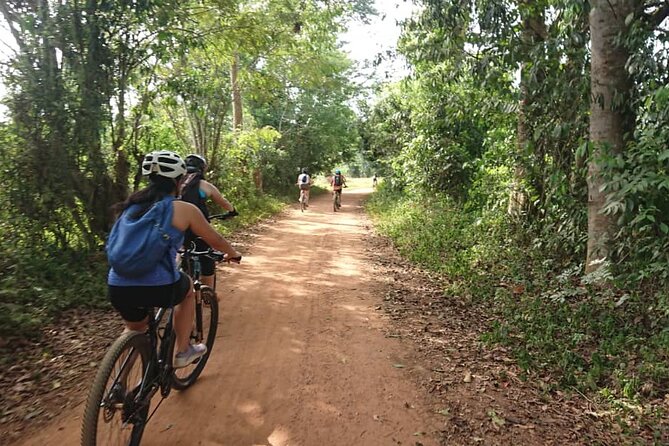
(133, 301)
(305, 186)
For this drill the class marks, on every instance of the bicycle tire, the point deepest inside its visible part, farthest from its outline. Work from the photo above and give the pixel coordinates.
(181, 380)
(98, 406)
(334, 201)
(303, 203)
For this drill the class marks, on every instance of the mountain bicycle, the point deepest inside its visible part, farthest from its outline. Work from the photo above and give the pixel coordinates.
(336, 200)
(138, 365)
(303, 199)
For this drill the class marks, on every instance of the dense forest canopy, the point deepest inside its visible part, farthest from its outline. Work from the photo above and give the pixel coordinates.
(95, 85)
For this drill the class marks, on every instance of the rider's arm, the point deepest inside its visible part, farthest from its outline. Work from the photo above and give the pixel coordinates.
(213, 192)
(188, 216)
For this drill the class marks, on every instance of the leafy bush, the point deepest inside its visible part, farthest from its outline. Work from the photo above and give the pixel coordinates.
(638, 187)
(556, 320)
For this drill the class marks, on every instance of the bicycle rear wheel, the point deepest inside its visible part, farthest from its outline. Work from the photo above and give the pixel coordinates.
(113, 414)
(206, 323)
(303, 201)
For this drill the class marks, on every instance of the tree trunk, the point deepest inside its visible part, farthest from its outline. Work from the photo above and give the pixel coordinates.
(122, 166)
(610, 116)
(533, 31)
(237, 117)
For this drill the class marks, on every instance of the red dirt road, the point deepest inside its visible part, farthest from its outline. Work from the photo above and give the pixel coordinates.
(301, 357)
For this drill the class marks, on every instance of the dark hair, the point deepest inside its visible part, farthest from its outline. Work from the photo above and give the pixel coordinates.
(159, 187)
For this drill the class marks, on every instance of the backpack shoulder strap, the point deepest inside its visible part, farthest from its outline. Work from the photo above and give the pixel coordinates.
(190, 178)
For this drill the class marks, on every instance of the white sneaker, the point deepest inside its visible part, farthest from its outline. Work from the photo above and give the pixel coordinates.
(195, 351)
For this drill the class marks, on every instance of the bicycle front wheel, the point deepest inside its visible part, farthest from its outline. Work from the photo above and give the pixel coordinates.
(115, 414)
(204, 330)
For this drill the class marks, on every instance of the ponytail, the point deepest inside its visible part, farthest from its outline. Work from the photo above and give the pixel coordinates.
(159, 187)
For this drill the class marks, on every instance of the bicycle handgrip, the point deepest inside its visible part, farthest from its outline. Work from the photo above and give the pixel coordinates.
(224, 216)
(216, 255)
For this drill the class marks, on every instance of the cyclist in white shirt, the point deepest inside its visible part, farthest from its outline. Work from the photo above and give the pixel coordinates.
(304, 183)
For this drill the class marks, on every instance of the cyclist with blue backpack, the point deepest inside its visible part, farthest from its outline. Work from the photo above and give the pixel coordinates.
(142, 248)
(195, 189)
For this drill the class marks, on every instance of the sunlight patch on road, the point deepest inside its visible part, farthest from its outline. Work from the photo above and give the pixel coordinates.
(297, 346)
(252, 412)
(279, 437)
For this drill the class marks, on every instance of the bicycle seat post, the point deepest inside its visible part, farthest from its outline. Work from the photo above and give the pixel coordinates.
(197, 270)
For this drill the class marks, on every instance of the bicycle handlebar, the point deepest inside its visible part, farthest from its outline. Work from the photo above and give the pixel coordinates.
(218, 256)
(225, 215)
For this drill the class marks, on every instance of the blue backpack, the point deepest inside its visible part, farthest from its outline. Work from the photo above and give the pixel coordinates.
(137, 245)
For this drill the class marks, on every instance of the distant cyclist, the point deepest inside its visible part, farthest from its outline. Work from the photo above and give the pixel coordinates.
(195, 189)
(304, 183)
(375, 181)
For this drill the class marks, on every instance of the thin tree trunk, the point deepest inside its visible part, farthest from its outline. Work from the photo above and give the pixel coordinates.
(610, 116)
(122, 167)
(533, 31)
(237, 117)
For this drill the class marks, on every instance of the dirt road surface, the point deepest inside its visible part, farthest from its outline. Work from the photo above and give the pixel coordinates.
(301, 357)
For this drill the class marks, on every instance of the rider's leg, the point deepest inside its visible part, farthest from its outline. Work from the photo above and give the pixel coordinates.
(183, 320)
(208, 280)
(208, 271)
(306, 196)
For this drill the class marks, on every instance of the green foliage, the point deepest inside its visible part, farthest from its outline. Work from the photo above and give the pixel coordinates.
(556, 321)
(427, 230)
(638, 182)
(37, 285)
(486, 147)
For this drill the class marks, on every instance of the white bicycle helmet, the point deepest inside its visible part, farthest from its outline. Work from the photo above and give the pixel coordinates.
(164, 163)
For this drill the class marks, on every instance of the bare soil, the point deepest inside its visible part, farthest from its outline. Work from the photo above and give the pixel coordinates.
(327, 337)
